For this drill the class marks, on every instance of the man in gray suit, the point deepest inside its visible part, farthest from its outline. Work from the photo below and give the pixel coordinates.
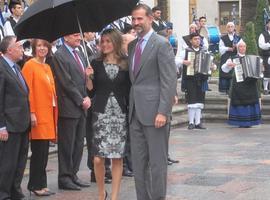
(73, 102)
(14, 120)
(153, 77)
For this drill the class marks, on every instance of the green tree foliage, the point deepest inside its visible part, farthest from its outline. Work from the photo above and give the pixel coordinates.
(250, 39)
(259, 22)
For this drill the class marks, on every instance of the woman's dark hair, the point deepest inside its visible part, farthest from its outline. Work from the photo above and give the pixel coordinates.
(34, 45)
(117, 41)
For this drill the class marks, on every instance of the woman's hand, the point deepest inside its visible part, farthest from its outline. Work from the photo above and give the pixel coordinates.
(186, 62)
(33, 120)
(231, 64)
(3, 135)
(89, 71)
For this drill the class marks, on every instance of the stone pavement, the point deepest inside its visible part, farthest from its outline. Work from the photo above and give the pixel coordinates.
(220, 163)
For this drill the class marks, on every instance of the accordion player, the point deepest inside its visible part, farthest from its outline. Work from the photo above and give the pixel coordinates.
(248, 66)
(200, 63)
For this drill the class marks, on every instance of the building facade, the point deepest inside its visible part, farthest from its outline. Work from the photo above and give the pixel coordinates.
(177, 12)
(218, 12)
(184, 12)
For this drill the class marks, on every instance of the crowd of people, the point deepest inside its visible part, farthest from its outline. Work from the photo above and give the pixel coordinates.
(121, 103)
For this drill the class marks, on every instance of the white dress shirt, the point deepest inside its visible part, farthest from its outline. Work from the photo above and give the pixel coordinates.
(262, 44)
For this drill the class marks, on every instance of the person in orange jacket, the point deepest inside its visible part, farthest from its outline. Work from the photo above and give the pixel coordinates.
(43, 106)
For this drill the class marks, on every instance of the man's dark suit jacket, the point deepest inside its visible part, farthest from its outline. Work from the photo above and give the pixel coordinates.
(90, 53)
(14, 104)
(70, 83)
(157, 27)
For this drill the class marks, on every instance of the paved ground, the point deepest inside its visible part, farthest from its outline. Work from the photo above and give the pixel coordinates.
(220, 163)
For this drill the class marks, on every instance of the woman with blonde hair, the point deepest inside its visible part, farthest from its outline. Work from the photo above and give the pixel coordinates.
(42, 98)
(111, 89)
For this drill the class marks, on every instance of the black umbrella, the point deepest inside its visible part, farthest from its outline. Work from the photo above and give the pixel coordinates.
(52, 19)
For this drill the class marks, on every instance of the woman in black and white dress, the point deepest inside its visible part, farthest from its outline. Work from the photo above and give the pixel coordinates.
(110, 87)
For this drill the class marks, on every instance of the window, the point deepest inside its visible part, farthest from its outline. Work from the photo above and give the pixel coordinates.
(229, 11)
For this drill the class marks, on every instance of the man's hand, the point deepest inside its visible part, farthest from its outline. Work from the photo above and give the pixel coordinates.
(86, 103)
(160, 120)
(3, 135)
(175, 100)
(33, 120)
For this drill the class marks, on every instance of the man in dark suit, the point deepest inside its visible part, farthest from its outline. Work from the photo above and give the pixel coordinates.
(90, 44)
(157, 24)
(152, 73)
(14, 120)
(73, 102)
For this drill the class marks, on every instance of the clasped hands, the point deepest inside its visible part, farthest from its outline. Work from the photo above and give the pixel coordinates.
(3, 135)
(86, 103)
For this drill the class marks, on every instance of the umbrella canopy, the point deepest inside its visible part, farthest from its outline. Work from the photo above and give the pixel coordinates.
(52, 19)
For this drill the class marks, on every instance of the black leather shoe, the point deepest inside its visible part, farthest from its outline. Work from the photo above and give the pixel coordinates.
(17, 194)
(173, 161)
(199, 126)
(81, 183)
(127, 173)
(108, 174)
(107, 180)
(69, 186)
(191, 126)
(23, 198)
(169, 162)
(16, 198)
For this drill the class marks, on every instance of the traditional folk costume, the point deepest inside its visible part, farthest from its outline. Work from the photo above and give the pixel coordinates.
(244, 110)
(187, 44)
(194, 87)
(226, 41)
(264, 45)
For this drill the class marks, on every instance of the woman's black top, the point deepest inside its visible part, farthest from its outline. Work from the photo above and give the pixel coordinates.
(103, 86)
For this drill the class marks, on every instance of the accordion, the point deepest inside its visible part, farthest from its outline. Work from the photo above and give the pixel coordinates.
(200, 63)
(247, 67)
